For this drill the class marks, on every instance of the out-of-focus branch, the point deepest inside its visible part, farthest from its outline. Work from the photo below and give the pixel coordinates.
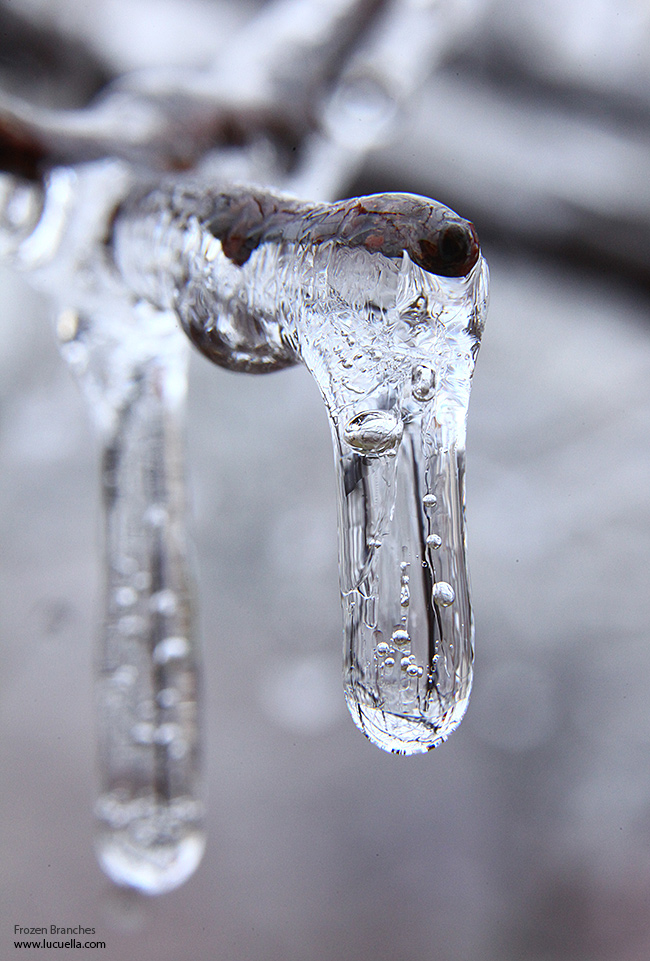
(320, 83)
(267, 84)
(57, 70)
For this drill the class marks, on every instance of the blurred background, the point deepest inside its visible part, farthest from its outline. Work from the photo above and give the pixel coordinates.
(527, 836)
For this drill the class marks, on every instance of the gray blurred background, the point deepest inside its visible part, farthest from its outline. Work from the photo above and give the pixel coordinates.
(527, 836)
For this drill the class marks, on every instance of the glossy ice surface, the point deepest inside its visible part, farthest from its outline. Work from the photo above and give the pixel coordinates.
(392, 346)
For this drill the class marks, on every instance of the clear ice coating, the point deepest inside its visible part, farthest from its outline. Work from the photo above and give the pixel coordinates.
(392, 346)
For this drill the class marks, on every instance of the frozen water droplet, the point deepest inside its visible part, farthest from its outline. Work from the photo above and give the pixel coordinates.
(429, 502)
(389, 662)
(434, 541)
(382, 648)
(149, 844)
(443, 594)
(413, 670)
(423, 382)
(374, 432)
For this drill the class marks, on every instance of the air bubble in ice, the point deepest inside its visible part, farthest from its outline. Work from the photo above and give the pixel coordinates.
(423, 382)
(126, 596)
(374, 432)
(171, 648)
(400, 637)
(443, 594)
(163, 602)
(434, 541)
(127, 566)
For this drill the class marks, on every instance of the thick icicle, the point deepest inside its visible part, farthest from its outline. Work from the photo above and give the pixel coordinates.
(392, 348)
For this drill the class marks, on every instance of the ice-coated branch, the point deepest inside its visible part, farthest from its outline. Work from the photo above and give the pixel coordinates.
(183, 247)
(383, 298)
